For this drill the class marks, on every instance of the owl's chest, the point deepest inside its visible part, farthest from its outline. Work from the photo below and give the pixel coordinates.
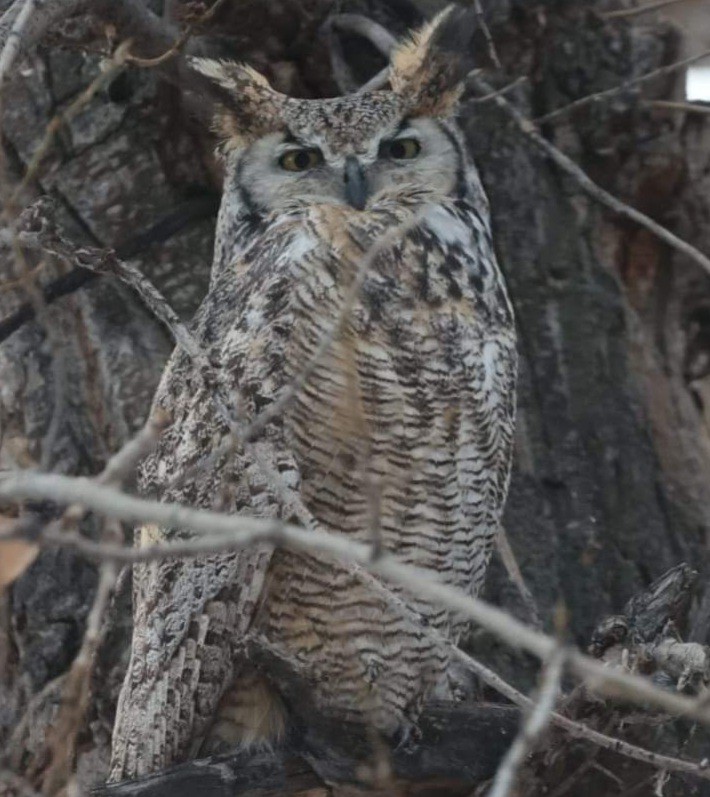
(410, 393)
(401, 348)
(423, 302)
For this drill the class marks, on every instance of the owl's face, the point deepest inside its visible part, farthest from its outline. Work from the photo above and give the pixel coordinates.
(311, 166)
(348, 150)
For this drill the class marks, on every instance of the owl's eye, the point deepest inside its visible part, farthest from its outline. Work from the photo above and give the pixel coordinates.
(299, 160)
(400, 148)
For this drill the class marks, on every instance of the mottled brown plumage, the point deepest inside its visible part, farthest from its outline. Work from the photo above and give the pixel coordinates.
(414, 400)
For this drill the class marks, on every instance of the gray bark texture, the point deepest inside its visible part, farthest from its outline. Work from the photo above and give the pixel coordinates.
(610, 485)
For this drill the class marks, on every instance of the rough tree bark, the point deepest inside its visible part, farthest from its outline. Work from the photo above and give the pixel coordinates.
(613, 446)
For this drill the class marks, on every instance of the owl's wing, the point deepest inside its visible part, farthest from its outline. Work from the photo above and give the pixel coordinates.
(189, 615)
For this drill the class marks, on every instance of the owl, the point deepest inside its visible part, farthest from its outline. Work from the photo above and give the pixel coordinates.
(355, 229)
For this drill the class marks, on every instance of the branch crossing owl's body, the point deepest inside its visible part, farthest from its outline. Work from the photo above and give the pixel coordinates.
(401, 435)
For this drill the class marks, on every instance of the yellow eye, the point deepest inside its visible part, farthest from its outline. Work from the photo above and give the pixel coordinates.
(400, 148)
(299, 160)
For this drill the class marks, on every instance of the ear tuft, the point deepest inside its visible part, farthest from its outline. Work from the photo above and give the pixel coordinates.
(429, 68)
(245, 105)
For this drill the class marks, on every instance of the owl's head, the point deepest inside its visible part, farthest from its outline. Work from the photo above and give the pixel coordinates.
(347, 150)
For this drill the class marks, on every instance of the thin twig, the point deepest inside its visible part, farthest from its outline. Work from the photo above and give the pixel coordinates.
(23, 23)
(105, 261)
(377, 82)
(627, 84)
(684, 107)
(44, 234)
(7, 20)
(180, 42)
(180, 218)
(568, 166)
(574, 777)
(376, 34)
(13, 750)
(249, 433)
(57, 365)
(515, 574)
(580, 731)
(505, 90)
(63, 118)
(363, 26)
(219, 533)
(134, 19)
(624, 13)
(126, 460)
(11, 48)
(490, 44)
(76, 688)
(533, 727)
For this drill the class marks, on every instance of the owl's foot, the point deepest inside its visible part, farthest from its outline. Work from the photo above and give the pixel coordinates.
(250, 715)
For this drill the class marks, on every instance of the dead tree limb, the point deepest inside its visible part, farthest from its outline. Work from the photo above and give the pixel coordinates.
(569, 167)
(219, 532)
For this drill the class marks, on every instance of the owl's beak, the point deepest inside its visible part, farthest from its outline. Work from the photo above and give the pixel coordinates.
(355, 183)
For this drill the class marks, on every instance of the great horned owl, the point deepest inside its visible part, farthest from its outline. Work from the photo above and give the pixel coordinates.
(413, 399)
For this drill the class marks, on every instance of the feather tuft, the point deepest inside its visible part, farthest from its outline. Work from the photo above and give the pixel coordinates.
(428, 68)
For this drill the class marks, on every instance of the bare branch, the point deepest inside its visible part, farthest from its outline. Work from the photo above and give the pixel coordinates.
(8, 19)
(223, 532)
(363, 26)
(533, 727)
(75, 693)
(110, 70)
(14, 38)
(600, 96)
(24, 23)
(625, 13)
(125, 461)
(683, 107)
(580, 731)
(133, 19)
(75, 690)
(377, 82)
(568, 166)
(180, 42)
(183, 215)
(516, 576)
(490, 44)
(105, 261)
(39, 231)
(220, 533)
(376, 34)
(44, 233)
(505, 90)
